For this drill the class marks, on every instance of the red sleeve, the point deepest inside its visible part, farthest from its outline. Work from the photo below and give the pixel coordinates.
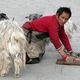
(64, 39)
(53, 32)
(26, 25)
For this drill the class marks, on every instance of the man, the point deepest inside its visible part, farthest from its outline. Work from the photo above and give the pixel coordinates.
(54, 26)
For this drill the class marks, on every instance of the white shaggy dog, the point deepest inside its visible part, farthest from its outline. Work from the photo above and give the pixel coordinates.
(70, 29)
(12, 47)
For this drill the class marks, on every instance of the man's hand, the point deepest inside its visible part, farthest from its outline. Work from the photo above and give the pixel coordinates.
(71, 53)
(71, 59)
(74, 54)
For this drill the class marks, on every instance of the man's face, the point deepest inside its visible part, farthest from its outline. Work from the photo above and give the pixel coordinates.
(63, 18)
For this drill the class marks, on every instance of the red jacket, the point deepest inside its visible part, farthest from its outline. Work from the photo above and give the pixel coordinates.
(50, 24)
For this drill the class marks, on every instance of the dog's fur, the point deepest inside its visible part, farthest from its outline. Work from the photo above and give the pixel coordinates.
(12, 46)
(70, 29)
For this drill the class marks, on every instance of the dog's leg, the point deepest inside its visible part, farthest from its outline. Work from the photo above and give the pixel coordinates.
(18, 66)
(24, 59)
(6, 67)
(1, 63)
(5, 63)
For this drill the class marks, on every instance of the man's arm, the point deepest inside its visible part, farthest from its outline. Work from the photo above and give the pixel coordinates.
(64, 39)
(54, 37)
(53, 33)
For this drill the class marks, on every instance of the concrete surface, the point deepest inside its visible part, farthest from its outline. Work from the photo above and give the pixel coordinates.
(46, 69)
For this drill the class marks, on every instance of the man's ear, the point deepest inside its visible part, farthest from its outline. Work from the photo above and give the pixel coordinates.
(57, 16)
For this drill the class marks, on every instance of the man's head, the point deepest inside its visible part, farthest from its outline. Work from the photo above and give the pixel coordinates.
(63, 14)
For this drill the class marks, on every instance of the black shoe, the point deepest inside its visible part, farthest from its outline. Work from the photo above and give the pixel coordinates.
(33, 61)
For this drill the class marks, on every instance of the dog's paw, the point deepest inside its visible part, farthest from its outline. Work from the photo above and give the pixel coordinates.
(17, 75)
(3, 74)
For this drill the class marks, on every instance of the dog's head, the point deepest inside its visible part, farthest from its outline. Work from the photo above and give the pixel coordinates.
(34, 16)
(3, 16)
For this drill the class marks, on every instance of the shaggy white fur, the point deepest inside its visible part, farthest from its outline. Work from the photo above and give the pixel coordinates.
(70, 29)
(12, 47)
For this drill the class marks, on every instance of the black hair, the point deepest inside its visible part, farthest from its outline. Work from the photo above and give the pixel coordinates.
(3, 16)
(64, 9)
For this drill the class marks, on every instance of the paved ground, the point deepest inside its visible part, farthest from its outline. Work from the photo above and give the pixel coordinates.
(47, 69)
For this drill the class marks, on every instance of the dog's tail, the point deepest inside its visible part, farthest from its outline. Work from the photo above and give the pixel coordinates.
(18, 44)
